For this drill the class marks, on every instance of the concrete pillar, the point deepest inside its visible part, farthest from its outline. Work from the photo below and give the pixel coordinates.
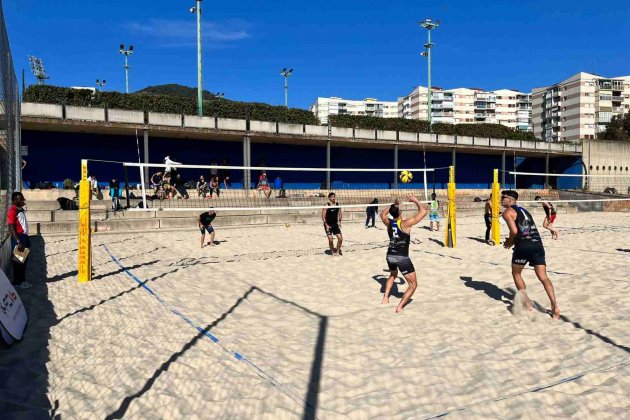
(247, 161)
(146, 154)
(454, 157)
(328, 163)
(546, 170)
(396, 166)
(503, 168)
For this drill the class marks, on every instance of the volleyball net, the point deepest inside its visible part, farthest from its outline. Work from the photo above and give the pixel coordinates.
(569, 188)
(178, 187)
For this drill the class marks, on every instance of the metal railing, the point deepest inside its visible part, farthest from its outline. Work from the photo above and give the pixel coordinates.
(10, 161)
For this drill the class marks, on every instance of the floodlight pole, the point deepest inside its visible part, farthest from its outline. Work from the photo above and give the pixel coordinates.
(199, 62)
(126, 53)
(286, 73)
(429, 25)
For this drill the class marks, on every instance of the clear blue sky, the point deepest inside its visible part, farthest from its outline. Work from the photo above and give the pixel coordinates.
(353, 49)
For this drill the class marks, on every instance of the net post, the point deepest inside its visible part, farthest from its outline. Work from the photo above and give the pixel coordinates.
(143, 190)
(426, 188)
(85, 233)
(451, 219)
(496, 203)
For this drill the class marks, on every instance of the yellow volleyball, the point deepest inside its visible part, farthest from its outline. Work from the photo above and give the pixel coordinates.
(406, 177)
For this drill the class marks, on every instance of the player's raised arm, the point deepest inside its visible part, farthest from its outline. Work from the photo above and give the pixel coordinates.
(422, 211)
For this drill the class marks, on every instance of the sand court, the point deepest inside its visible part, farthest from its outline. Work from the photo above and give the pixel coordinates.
(267, 325)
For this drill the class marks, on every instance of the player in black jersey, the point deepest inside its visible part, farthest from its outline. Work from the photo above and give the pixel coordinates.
(331, 217)
(398, 250)
(205, 225)
(528, 248)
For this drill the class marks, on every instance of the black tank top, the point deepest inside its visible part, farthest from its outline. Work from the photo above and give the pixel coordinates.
(527, 230)
(399, 240)
(332, 215)
(549, 210)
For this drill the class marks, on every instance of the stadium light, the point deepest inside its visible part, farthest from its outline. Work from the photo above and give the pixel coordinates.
(100, 84)
(126, 53)
(197, 9)
(286, 73)
(429, 25)
(37, 67)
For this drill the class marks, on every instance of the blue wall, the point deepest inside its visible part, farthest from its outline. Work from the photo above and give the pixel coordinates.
(56, 156)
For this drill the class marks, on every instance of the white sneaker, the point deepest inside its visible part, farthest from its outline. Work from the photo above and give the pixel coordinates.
(25, 285)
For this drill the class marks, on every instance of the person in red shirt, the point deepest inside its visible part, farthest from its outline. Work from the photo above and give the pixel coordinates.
(18, 228)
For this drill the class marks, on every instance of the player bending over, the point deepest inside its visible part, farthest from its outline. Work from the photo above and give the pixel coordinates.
(205, 225)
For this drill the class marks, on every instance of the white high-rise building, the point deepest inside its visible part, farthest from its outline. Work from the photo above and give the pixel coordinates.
(323, 107)
(579, 107)
(464, 105)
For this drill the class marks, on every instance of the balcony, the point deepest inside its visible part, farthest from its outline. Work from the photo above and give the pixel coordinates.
(617, 98)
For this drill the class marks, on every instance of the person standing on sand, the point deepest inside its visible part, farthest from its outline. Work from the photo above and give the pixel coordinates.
(528, 248)
(398, 250)
(487, 217)
(550, 217)
(331, 217)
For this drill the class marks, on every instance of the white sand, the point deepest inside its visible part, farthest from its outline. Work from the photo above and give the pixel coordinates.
(313, 329)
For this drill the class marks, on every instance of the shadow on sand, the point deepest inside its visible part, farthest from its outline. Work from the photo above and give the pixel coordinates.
(507, 297)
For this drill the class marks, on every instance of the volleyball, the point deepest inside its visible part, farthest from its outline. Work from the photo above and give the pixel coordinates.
(406, 177)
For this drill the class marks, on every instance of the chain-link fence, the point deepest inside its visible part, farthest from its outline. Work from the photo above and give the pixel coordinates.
(10, 161)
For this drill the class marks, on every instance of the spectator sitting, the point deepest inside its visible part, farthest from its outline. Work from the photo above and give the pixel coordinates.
(179, 188)
(96, 190)
(202, 187)
(263, 184)
(167, 190)
(156, 180)
(224, 175)
(215, 186)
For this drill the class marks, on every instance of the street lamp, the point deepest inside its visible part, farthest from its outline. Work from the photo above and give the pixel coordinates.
(126, 53)
(197, 9)
(286, 73)
(429, 25)
(100, 84)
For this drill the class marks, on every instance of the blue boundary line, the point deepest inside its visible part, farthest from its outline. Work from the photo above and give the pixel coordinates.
(210, 336)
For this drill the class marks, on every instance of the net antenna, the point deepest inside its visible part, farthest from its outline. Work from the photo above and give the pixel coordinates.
(37, 67)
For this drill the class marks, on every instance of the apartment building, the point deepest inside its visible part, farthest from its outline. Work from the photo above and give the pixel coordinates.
(578, 107)
(323, 107)
(469, 105)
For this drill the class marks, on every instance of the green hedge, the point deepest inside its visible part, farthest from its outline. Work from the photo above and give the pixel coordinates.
(256, 111)
(169, 104)
(497, 131)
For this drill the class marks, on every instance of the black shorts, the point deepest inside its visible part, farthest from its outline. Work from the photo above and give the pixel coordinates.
(532, 254)
(400, 262)
(333, 230)
(208, 228)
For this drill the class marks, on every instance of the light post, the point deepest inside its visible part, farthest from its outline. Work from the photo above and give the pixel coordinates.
(100, 84)
(126, 53)
(197, 9)
(286, 73)
(429, 25)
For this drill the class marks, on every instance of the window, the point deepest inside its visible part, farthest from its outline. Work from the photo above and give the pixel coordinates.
(615, 168)
(597, 167)
(609, 168)
(590, 168)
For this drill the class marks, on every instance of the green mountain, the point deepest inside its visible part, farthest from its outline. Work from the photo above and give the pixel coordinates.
(175, 90)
